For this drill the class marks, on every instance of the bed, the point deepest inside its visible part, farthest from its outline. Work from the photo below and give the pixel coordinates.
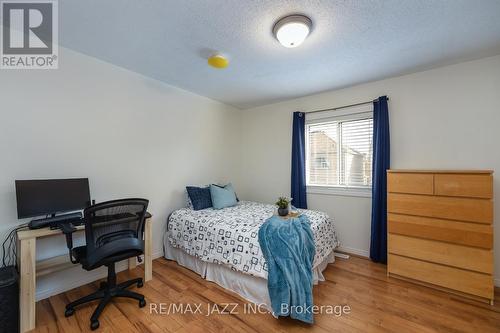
(222, 246)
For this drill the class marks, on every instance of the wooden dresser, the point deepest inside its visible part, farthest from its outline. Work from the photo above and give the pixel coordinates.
(440, 229)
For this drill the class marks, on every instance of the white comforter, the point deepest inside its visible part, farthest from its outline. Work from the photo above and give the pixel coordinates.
(230, 236)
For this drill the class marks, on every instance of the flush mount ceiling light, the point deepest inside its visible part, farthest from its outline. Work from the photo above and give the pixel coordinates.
(292, 30)
(218, 61)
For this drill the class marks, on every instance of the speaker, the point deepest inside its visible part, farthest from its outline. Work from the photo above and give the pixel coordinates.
(9, 300)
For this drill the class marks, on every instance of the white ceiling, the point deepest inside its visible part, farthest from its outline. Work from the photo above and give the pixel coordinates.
(352, 41)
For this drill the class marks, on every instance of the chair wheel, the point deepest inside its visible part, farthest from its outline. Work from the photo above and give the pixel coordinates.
(140, 284)
(94, 324)
(142, 303)
(69, 312)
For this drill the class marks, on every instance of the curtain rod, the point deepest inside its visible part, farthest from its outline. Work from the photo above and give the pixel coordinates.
(343, 107)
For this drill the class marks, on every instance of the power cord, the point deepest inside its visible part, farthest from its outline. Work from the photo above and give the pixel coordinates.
(9, 255)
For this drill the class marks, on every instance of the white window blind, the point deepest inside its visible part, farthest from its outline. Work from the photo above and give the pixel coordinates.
(339, 151)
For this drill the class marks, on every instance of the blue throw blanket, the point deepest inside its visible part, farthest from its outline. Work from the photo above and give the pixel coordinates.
(288, 247)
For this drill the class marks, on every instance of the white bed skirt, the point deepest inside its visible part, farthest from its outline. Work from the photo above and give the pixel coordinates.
(251, 288)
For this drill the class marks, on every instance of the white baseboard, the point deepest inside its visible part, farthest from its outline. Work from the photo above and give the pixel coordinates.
(351, 250)
(63, 285)
(342, 255)
(496, 282)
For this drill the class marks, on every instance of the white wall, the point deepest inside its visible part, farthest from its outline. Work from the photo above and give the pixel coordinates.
(130, 135)
(446, 118)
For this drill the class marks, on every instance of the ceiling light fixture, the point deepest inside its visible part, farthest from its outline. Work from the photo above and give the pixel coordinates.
(292, 30)
(218, 61)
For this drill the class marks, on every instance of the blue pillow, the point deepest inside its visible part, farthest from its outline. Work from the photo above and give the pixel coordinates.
(200, 197)
(223, 197)
(231, 187)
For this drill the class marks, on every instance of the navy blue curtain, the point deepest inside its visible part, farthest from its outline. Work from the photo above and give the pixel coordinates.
(298, 192)
(381, 163)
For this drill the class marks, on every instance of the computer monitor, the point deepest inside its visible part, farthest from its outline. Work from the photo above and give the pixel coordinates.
(51, 196)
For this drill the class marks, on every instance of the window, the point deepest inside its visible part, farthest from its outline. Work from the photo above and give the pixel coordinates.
(321, 162)
(339, 151)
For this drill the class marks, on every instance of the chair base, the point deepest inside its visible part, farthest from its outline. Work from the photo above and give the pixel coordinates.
(107, 291)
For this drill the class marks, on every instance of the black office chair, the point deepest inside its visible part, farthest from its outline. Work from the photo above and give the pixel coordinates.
(113, 232)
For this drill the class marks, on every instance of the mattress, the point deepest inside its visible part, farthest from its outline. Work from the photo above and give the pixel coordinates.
(229, 236)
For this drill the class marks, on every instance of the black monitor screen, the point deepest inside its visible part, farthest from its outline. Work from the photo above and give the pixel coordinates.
(50, 196)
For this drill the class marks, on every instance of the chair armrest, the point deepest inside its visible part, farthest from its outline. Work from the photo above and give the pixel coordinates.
(68, 229)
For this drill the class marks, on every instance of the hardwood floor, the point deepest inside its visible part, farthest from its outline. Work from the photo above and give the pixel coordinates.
(377, 303)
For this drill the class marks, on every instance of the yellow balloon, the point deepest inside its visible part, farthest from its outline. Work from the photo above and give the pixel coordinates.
(218, 61)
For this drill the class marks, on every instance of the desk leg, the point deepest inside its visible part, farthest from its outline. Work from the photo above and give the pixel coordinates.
(148, 244)
(27, 285)
(132, 263)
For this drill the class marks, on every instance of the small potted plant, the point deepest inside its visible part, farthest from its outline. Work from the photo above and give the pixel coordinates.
(282, 204)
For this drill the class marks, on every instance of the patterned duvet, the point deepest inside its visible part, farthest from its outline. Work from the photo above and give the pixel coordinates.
(230, 236)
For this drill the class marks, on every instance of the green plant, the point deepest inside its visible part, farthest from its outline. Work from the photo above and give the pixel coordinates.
(282, 202)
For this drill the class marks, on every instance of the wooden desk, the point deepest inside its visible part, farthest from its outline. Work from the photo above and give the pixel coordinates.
(28, 267)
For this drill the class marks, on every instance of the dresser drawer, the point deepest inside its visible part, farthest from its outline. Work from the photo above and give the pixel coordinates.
(456, 232)
(461, 209)
(449, 277)
(474, 186)
(416, 183)
(474, 259)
